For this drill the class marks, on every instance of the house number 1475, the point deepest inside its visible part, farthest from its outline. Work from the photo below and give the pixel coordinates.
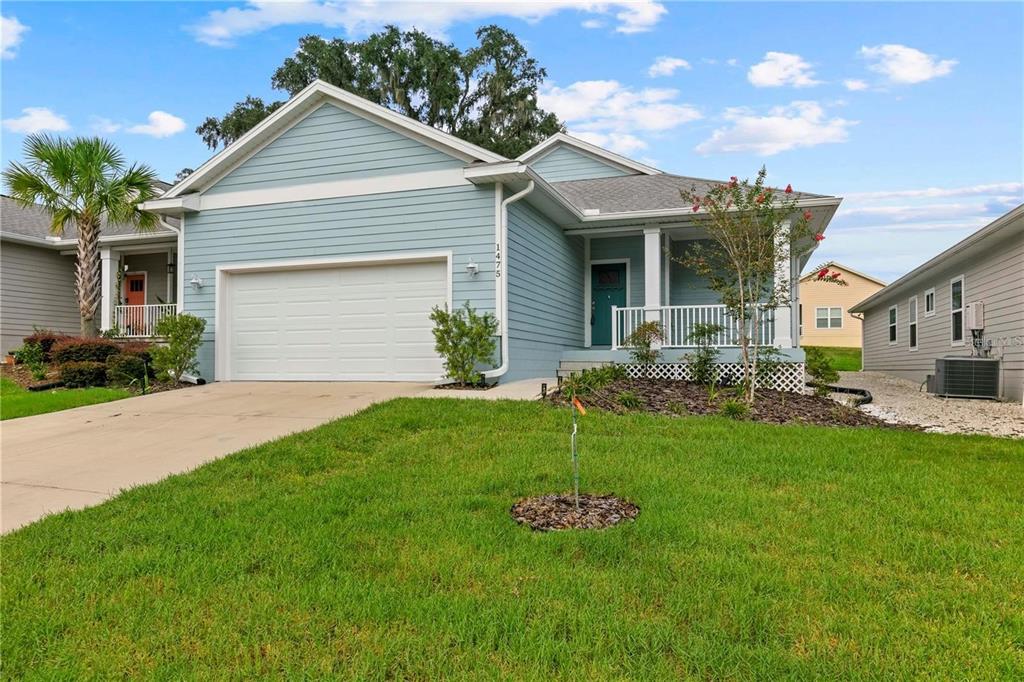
(497, 260)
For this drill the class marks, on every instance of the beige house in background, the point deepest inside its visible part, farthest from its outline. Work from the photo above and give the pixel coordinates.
(824, 308)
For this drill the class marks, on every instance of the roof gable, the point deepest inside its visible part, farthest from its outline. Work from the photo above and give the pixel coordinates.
(312, 97)
(580, 148)
(832, 265)
(331, 143)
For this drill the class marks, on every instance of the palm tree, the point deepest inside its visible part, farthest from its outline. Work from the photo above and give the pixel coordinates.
(82, 182)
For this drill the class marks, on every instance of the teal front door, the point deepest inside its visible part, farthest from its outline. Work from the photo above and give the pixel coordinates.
(607, 289)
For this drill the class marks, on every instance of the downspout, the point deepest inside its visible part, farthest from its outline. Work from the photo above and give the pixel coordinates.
(501, 285)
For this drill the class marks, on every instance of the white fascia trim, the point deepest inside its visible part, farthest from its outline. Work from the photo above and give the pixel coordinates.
(491, 171)
(221, 292)
(174, 206)
(313, 94)
(549, 145)
(41, 242)
(683, 212)
(452, 177)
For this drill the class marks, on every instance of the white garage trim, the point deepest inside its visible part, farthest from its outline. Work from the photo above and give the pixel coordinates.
(222, 330)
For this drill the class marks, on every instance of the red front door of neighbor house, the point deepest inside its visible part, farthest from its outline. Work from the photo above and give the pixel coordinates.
(134, 294)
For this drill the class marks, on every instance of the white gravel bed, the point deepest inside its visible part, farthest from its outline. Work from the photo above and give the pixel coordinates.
(899, 401)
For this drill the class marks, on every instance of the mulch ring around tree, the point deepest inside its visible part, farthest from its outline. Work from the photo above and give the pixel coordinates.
(676, 398)
(558, 512)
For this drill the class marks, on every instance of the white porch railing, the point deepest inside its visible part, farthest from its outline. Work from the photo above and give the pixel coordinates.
(134, 321)
(678, 321)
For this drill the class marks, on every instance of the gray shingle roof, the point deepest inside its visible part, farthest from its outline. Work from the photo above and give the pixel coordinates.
(638, 192)
(33, 221)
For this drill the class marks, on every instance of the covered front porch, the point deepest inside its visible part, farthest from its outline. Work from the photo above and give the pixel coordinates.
(139, 288)
(634, 276)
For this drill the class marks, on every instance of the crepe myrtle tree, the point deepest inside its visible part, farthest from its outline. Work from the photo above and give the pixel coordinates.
(752, 229)
(82, 182)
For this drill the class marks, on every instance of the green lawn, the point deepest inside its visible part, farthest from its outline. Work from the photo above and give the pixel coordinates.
(843, 359)
(380, 547)
(16, 402)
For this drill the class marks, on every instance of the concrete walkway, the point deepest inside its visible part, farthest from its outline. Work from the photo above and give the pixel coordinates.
(81, 457)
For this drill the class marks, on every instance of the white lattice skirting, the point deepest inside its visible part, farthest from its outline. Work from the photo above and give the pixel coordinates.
(788, 377)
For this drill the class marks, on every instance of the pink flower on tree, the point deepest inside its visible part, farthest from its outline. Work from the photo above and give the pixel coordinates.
(807, 216)
(819, 237)
(789, 189)
(823, 273)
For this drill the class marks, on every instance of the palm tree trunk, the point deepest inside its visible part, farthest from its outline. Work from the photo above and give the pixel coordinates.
(88, 276)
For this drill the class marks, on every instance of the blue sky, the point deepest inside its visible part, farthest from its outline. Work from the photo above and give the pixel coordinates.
(912, 112)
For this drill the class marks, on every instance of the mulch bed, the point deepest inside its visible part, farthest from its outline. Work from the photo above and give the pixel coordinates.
(684, 398)
(21, 375)
(465, 387)
(558, 512)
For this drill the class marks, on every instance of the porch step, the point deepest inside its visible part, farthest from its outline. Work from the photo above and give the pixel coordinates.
(567, 367)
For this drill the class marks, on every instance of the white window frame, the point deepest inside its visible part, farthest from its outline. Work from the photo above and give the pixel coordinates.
(828, 316)
(913, 328)
(962, 310)
(927, 293)
(894, 325)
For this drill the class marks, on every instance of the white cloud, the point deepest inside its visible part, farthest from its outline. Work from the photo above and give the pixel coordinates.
(905, 65)
(732, 62)
(620, 143)
(104, 126)
(221, 27)
(782, 68)
(997, 189)
(11, 31)
(592, 23)
(666, 66)
(36, 120)
(855, 84)
(615, 111)
(799, 124)
(161, 124)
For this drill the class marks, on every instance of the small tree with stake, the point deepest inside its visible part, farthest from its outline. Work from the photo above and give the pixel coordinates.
(752, 229)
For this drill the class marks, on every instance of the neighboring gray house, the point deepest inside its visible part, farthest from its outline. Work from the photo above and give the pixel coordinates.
(37, 275)
(316, 245)
(925, 314)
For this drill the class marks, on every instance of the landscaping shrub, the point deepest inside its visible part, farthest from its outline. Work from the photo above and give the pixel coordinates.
(73, 349)
(768, 366)
(640, 343)
(183, 334)
(464, 339)
(820, 369)
(123, 369)
(142, 350)
(46, 339)
(31, 355)
(589, 380)
(702, 360)
(83, 373)
(630, 400)
(734, 409)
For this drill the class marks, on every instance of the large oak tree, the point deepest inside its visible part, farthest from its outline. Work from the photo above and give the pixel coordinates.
(486, 94)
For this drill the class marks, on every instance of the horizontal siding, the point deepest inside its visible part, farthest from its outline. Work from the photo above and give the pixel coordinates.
(37, 289)
(333, 144)
(565, 163)
(631, 247)
(459, 219)
(996, 277)
(545, 293)
(814, 294)
(686, 287)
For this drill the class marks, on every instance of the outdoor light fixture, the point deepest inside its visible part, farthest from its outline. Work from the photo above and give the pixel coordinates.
(472, 268)
(196, 282)
(170, 267)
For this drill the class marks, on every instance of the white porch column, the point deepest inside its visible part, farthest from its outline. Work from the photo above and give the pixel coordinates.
(652, 274)
(108, 287)
(784, 313)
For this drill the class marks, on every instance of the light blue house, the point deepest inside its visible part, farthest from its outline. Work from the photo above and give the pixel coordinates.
(316, 245)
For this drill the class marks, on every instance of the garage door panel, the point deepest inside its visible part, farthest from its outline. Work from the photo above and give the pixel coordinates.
(345, 323)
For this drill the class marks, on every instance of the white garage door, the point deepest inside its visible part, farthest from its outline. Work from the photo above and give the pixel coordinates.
(360, 323)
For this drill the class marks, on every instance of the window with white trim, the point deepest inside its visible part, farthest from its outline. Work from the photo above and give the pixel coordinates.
(828, 318)
(929, 302)
(956, 311)
(892, 325)
(912, 322)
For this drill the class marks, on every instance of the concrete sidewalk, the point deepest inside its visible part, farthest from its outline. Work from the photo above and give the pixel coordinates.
(80, 457)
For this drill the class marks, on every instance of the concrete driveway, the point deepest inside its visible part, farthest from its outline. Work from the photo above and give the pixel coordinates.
(81, 457)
